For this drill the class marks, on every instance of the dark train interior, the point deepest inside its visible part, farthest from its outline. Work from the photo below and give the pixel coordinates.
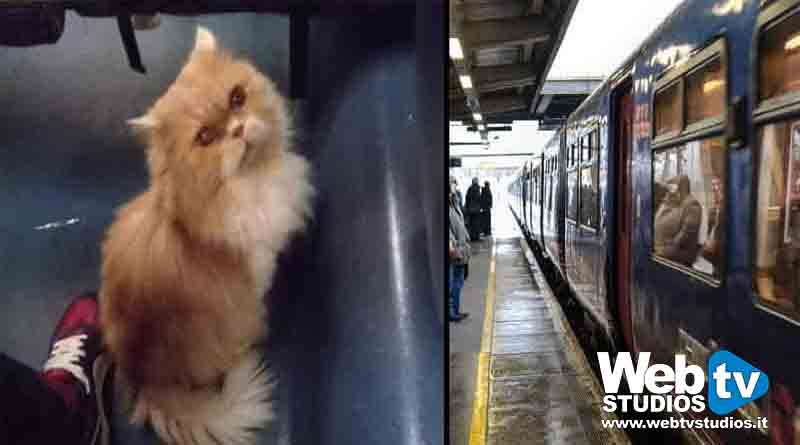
(364, 80)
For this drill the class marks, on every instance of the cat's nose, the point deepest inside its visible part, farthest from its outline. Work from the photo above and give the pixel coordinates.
(236, 128)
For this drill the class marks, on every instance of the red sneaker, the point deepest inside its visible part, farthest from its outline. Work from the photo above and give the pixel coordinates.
(77, 370)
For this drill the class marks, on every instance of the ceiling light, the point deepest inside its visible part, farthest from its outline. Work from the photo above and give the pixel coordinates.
(466, 82)
(793, 43)
(712, 85)
(477, 117)
(456, 53)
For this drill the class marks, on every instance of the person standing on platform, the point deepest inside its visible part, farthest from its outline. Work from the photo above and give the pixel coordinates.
(459, 254)
(458, 196)
(472, 210)
(486, 209)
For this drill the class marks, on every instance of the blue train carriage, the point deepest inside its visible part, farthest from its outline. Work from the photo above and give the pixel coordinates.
(535, 196)
(585, 222)
(675, 210)
(551, 225)
(518, 189)
(714, 198)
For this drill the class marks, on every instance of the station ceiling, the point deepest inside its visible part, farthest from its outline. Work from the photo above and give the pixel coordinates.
(507, 48)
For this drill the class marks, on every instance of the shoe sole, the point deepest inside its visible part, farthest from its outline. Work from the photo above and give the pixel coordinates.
(102, 431)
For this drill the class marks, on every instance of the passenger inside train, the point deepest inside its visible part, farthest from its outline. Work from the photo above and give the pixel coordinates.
(688, 205)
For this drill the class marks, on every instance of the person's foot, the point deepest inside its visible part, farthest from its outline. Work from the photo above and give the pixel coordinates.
(459, 317)
(76, 369)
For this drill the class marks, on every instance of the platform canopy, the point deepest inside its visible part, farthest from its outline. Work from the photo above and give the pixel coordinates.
(500, 54)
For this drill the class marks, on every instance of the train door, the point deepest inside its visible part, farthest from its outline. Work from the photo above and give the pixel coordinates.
(532, 197)
(524, 182)
(540, 222)
(623, 109)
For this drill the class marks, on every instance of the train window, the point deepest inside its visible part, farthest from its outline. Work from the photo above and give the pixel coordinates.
(776, 261)
(573, 154)
(588, 198)
(544, 192)
(586, 148)
(688, 205)
(689, 164)
(705, 92)
(588, 191)
(777, 219)
(779, 64)
(539, 188)
(690, 98)
(572, 195)
(668, 110)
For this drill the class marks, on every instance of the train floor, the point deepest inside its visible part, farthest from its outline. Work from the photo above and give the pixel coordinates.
(517, 374)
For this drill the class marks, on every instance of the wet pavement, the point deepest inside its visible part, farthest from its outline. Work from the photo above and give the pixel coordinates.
(517, 374)
(465, 337)
(538, 387)
(541, 390)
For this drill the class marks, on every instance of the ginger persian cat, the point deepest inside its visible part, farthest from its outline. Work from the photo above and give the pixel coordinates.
(186, 264)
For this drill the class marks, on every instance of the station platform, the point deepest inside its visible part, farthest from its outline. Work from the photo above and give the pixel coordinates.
(526, 381)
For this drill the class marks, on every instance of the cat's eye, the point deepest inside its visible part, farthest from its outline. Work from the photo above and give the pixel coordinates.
(238, 97)
(205, 136)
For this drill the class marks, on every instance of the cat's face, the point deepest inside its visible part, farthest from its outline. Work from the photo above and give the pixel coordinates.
(220, 119)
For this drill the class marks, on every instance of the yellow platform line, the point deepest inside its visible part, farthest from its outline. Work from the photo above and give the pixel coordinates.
(480, 408)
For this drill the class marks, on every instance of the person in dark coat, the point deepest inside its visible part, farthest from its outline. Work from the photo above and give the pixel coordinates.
(677, 223)
(472, 210)
(486, 209)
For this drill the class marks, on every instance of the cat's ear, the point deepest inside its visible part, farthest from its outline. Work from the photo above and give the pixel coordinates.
(143, 124)
(204, 41)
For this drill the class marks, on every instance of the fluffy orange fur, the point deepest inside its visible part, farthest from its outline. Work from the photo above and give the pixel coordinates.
(186, 264)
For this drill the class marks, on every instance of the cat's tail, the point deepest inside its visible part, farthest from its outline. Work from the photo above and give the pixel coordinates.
(229, 415)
